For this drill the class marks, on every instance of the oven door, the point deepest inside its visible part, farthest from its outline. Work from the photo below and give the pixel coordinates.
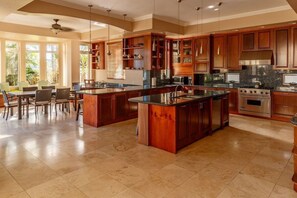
(255, 105)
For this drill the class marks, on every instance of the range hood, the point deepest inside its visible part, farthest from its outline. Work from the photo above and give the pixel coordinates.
(263, 57)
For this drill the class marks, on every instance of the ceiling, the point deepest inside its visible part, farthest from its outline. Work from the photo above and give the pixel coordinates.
(166, 10)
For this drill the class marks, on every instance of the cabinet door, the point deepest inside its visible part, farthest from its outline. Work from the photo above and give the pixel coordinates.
(233, 101)
(233, 52)
(264, 40)
(106, 109)
(133, 106)
(204, 118)
(281, 48)
(248, 41)
(120, 105)
(284, 103)
(182, 133)
(294, 48)
(202, 49)
(219, 52)
(194, 121)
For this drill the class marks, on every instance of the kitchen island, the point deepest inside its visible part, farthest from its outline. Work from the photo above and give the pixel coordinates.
(171, 123)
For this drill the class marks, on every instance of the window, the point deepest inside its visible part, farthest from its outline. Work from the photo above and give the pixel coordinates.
(32, 63)
(12, 62)
(84, 62)
(52, 63)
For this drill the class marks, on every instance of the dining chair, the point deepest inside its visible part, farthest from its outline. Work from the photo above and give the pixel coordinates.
(73, 96)
(30, 88)
(9, 105)
(22, 84)
(79, 108)
(48, 87)
(42, 98)
(42, 83)
(62, 98)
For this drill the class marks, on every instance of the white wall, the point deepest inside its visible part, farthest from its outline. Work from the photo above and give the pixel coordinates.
(131, 77)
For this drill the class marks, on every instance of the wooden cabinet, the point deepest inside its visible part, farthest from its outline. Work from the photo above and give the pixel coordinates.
(204, 118)
(1, 101)
(105, 109)
(182, 124)
(264, 39)
(282, 39)
(233, 52)
(225, 110)
(132, 106)
(284, 104)
(294, 47)
(257, 40)
(158, 52)
(98, 55)
(219, 52)
(120, 103)
(182, 57)
(202, 55)
(144, 52)
(133, 52)
(233, 101)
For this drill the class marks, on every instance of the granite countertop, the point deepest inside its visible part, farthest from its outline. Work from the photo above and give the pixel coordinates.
(294, 119)
(166, 99)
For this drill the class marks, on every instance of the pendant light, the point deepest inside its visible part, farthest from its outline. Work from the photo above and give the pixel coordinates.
(178, 13)
(219, 28)
(108, 34)
(90, 33)
(124, 39)
(154, 42)
(197, 9)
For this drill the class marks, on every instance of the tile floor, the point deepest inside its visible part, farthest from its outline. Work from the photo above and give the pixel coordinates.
(59, 157)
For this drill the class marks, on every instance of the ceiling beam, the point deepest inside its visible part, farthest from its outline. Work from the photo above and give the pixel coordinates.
(293, 4)
(42, 7)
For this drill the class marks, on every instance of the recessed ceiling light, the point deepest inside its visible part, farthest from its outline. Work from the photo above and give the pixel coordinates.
(99, 24)
(293, 23)
(236, 30)
(210, 6)
(216, 9)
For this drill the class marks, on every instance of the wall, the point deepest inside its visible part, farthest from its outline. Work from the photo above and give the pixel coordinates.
(131, 77)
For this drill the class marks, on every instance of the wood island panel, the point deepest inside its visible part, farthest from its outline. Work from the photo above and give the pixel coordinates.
(91, 113)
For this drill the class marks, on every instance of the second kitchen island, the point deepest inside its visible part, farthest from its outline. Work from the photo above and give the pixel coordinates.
(171, 123)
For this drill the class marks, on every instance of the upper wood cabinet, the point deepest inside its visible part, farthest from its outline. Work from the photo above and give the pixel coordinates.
(294, 47)
(202, 54)
(257, 40)
(182, 56)
(233, 52)
(144, 52)
(281, 52)
(98, 55)
(219, 52)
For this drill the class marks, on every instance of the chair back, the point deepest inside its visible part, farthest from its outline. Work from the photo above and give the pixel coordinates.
(48, 87)
(62, 93)
(4, 86)
(43, 95)
(23, 84)
(5, 97)
(76, 87)
(30, 88)
(42, 83)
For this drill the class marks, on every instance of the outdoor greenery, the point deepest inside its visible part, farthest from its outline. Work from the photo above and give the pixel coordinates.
(84, 62)
(32, 64)
(12, 63)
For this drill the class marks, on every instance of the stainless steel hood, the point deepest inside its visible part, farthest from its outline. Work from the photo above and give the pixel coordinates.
(263, 57)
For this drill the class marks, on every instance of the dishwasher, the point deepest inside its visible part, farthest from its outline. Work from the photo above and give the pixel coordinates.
(216, 113)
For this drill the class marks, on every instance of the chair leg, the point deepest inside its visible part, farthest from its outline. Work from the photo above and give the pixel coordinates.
(77, 111)
(56, 108)
(7, 113)
(4, 111)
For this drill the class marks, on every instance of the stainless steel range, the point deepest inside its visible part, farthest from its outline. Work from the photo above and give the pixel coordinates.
(254, 102)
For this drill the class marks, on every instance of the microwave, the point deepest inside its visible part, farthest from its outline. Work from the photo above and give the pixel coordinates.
(182, 80)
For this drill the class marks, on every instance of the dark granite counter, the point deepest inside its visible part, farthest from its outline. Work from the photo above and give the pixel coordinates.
(294, 120)
(166, 99)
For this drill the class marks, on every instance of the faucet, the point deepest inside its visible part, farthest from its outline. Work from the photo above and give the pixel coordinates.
(176, 88)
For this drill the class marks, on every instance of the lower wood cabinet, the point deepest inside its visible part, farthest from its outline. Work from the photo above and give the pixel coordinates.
(225, 110)
(284, 105)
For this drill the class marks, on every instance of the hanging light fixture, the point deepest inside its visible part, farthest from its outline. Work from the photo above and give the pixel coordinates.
(90, 33)
(154, 42)
(124, 39)
(197, 9)
(108, 34)
(178, 21)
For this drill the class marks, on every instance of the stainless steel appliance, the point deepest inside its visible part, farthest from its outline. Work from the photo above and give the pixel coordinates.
(182, 80)
(254, 102)
(216, 113)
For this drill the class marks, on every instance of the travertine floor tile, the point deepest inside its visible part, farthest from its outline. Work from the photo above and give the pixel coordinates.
(281, 192)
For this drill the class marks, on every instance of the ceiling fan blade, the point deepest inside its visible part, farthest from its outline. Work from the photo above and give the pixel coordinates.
(66, 29)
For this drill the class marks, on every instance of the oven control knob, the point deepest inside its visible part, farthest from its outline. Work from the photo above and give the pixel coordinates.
(244, 91)
(251, 91)
(255, 91)
(261, 92)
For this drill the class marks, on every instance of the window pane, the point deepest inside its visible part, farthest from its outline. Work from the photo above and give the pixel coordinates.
(84, 62)
(32, 63)
(52, 63)
(12, 62)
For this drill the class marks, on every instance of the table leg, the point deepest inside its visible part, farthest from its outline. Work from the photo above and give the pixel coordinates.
(19, 107)
(75, 101)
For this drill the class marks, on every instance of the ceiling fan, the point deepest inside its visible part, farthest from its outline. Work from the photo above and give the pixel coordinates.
(56, 28)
